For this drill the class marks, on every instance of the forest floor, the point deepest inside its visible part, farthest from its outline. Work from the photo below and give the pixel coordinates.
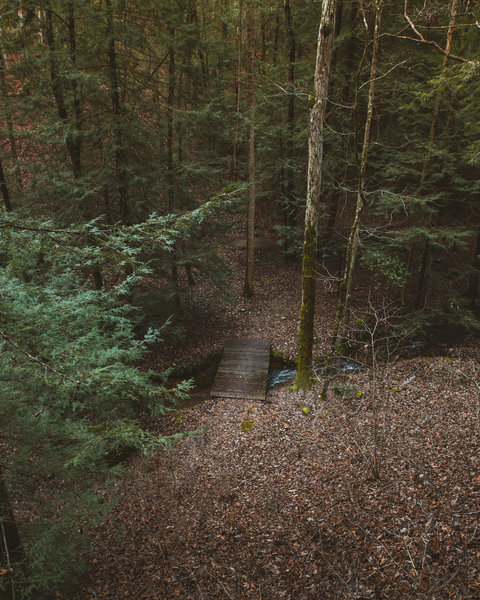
(372, 494)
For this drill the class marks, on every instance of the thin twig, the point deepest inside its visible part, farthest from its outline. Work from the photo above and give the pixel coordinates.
(410, 557)
(36, 359)
(7, 554)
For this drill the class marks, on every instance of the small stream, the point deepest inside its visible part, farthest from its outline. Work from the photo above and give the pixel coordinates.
(280, 377)
(345, 365)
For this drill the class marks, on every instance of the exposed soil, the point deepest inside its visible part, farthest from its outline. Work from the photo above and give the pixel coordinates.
(374, 494)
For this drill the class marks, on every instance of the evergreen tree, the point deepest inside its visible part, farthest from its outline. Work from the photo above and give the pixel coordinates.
(72, 396)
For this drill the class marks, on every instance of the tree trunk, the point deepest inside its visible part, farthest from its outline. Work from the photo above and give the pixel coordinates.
(9, 121)
(283, 191)
(276, 35)
(4, 189)
(11, 552)
(423, 273)
(263, 39)
(342, 316)
(422, 278)
(170, 163)
(332, 207)
(58, 92)
(475, 276)
(176, 288)
(290, 209)
(249, 271)
(120, 166)
(77, 136)
(338, 27)
(225, 23)
(353, 240)
(438, 101)
(238, 80)
(97, 278)
(326, 34)
(170, 140)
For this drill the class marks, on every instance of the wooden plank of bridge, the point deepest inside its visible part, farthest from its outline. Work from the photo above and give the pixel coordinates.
(243, 370)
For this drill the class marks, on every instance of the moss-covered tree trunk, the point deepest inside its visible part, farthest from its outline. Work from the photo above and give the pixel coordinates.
(342, 316)
(248, 286)
(326, 34)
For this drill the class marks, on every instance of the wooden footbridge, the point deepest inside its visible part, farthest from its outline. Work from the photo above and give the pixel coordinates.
(243, 370)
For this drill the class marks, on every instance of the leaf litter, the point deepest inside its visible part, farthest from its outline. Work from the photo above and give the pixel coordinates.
(369, 495)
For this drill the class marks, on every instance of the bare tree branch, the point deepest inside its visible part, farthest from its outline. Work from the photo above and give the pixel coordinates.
(422, 40)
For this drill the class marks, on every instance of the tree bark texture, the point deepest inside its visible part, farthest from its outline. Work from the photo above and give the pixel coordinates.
(249, 271)
(326, 33)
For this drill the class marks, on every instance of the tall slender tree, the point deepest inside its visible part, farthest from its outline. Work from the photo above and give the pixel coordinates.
(238, 85)
(342, 315)
(353, 239)
(121, 183)
(58, 90)
(249, 271)
(431, 139)
(326, 31)
(9, 120)
(292, 52)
